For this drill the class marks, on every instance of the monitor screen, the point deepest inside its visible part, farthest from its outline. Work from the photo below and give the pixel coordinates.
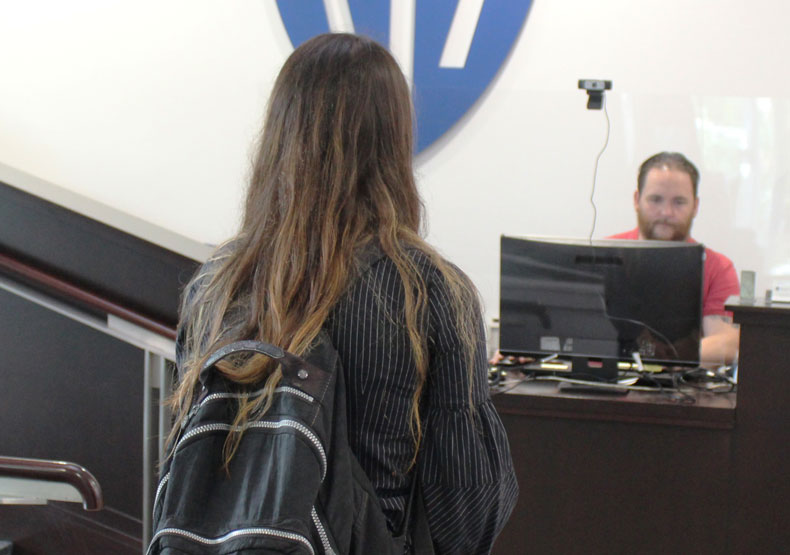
(601, 299)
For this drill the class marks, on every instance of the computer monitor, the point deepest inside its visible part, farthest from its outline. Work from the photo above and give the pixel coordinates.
(596, 303)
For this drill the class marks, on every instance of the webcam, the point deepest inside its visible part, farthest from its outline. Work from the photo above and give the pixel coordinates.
(595, 89)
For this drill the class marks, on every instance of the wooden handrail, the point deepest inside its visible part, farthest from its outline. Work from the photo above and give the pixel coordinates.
(56, 471)
(71, 291)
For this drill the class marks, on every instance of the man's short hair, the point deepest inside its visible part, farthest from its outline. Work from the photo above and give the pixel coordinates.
(672, 161)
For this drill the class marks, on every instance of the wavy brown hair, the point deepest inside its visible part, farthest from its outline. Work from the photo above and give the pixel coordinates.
(332, 175)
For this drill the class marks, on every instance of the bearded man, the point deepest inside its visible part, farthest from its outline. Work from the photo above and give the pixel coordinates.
(666, 203)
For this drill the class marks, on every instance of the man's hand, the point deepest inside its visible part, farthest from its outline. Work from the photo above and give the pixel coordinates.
(720, 340)
(498, 358)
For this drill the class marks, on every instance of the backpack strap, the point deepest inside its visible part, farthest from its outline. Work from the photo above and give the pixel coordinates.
(247, 345)
(414, 527)
(243, 346)
(311, 374)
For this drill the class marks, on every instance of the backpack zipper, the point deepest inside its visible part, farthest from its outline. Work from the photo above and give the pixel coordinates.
(232, 535)
(207, 428)
(159, 488)
(215, 396)
(322, 533)
(282, 389)
(295, 391)
(313, 513)
(304, 430)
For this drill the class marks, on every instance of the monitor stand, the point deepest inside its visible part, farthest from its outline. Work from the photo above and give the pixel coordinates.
(601, 368)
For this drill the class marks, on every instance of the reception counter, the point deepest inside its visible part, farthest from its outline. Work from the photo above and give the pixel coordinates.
(654, 473)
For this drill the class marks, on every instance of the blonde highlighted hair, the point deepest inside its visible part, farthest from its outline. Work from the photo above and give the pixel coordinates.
(332, 176)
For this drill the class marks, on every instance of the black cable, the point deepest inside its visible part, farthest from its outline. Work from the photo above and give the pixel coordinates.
(678, 394)
(673, 393)
(704, 379)
(595, 171)
(660, 335)
(648, 377)
(647, 326)
(509, 386)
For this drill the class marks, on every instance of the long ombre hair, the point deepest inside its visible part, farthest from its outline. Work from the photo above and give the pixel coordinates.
(332, 175)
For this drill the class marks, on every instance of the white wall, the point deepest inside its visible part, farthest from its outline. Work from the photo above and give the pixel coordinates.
(150, 107)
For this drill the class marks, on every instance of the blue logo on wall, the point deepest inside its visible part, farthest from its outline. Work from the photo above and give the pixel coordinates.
(450, 50)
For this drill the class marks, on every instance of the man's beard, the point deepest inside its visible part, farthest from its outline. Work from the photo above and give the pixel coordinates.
(680, 230)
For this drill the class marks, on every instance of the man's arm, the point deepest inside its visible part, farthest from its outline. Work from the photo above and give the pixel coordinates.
(720, 339)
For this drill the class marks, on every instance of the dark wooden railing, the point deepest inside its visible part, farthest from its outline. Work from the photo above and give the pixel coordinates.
(46, 471)
(37, 278)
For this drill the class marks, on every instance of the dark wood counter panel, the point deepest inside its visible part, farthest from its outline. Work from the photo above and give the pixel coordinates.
(543, 399)
(639, 473)
(644, 474)
(760, 518)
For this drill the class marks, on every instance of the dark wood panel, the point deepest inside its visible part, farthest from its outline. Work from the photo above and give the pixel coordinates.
(761, 487)
(542, 398)
(54, 529)
(70, 392)
(119, 267)
(73, 393)
(592, 486)
(632, 475)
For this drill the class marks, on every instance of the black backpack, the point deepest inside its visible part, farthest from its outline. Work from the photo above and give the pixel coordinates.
(293, 485)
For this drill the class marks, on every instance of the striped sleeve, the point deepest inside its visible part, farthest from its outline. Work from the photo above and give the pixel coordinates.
(466, 470)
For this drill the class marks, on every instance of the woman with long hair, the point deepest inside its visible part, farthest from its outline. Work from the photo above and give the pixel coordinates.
(330, 239)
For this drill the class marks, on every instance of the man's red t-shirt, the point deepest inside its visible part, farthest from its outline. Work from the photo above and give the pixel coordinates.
(720, 280)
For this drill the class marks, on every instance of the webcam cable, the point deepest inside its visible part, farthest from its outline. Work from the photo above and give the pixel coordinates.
(595, 171)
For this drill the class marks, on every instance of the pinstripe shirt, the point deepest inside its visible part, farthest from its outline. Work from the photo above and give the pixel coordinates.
(465, 467)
